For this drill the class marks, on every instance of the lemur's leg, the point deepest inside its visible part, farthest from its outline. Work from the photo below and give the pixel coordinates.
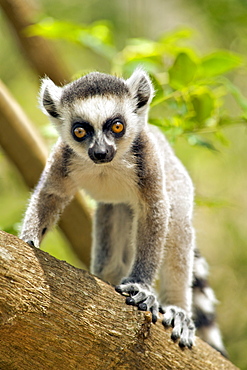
(112, 246)
(53, 192)
(176, 280)
(177, 269)
(204, 306)
(150, 222)
(150, 229)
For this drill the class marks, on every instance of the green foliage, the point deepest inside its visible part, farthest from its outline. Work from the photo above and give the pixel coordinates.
(97, 36)
(191, 90)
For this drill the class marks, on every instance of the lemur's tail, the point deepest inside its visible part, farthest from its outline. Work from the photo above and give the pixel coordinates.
(204, 306)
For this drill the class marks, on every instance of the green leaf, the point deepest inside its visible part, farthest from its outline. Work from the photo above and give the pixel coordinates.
(150, 64)
(137, 49)
(219, 63)
(50, 28)
(203, 105)
(176, 36)
(97, 36)
(196, 140)
(163, 123)
(183, 71)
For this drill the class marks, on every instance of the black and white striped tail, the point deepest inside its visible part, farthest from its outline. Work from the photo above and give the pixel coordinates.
(204, 302)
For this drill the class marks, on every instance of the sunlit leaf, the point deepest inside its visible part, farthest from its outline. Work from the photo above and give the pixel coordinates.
(141, 48)
(219, 63)
(182, 72)
(176, 36)
(51, 28)
(102, 31)
(97, 36)
(203, 104)
(161, 122)
(150, 64)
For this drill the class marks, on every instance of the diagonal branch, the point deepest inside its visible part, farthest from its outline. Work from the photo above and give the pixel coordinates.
(39, 52)
(54, 316)
(28, 152)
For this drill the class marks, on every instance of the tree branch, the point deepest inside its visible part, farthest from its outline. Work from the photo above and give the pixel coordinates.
(54, 316)
(40, 53)
(24, 146)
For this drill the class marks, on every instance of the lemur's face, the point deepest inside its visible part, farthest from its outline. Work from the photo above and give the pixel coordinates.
(99, 116)
(102, 144)
(99, 127)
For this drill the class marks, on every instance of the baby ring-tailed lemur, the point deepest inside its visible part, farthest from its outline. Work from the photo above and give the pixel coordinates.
(143, 221)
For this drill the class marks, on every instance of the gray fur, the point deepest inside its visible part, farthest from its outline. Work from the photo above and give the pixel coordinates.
(143, 222)
(112, 225)
(94, 83)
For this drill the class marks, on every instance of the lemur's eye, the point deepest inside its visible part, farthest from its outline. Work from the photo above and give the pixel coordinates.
(117, 127)
(79, 132)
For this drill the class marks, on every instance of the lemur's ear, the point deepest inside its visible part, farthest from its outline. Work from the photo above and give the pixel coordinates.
(50, 95)
(141, 87)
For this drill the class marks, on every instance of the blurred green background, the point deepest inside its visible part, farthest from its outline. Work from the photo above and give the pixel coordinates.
(219, 175)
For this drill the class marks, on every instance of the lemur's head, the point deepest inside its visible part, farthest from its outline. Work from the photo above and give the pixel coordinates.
(99, 115)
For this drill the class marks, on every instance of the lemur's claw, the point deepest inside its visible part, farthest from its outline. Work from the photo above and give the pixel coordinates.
(141, 296)
(142, 307)
(183, 326)
(130, 301)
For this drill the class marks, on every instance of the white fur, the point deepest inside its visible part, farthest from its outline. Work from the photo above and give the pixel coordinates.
(54, 91)
(97, 110)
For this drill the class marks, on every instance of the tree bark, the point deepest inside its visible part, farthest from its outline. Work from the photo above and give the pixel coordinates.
(54, 316)
(25, 148)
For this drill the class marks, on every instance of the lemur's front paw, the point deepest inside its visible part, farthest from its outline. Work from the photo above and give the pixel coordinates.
(140, 295)
(183, 326)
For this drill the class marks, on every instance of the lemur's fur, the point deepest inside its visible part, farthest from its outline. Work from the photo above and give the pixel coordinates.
(143, 221)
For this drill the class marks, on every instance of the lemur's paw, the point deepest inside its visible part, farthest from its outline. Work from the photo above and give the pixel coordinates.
(183, 326)
(140, 295)
(31, 243)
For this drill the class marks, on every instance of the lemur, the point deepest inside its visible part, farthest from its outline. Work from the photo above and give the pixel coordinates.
(143, 220)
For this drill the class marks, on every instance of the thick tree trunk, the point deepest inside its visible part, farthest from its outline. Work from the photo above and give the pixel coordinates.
(54, 316)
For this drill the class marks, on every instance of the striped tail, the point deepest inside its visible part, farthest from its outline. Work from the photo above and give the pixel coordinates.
(204, 302)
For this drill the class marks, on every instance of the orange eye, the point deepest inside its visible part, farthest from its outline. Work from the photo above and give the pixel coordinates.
(117, 127)
(80, 132)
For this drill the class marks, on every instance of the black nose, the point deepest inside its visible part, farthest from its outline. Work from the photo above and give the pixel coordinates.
(101, 153)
